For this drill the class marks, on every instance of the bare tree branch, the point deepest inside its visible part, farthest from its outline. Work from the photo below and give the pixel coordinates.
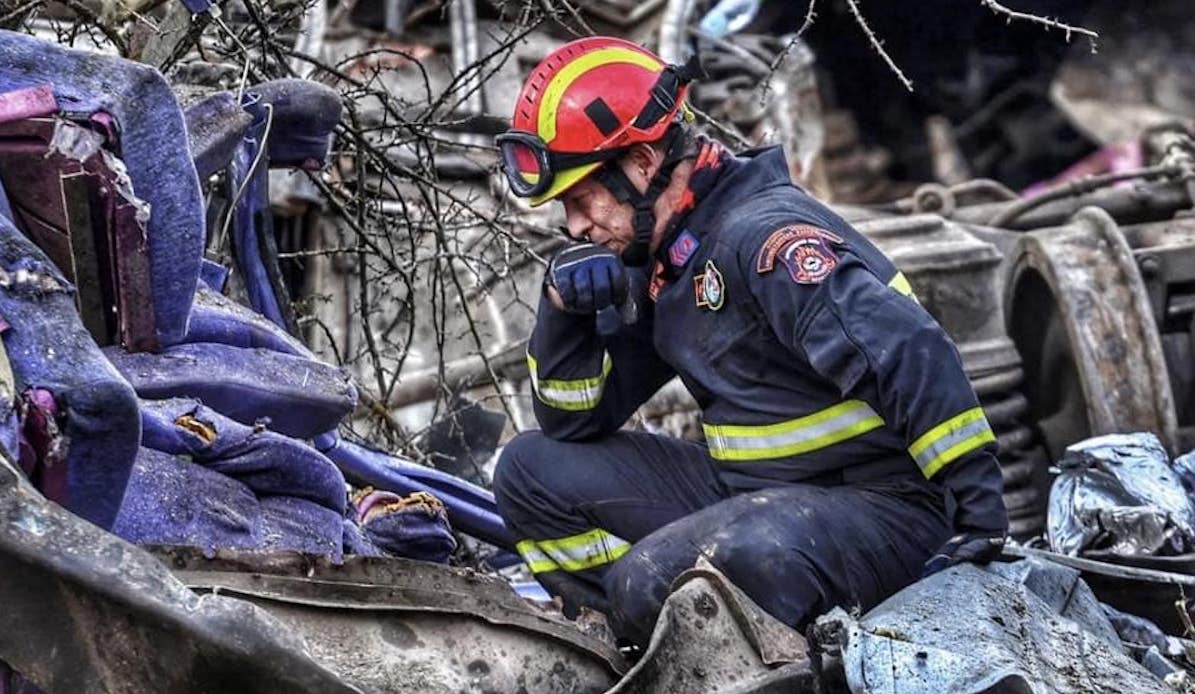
(1044, 21)
(765, 83)
(877, 44)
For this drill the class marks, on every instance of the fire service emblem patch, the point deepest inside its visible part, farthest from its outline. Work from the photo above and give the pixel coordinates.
(806, 251)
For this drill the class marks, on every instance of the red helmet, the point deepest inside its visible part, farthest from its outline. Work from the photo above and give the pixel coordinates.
(584, 104)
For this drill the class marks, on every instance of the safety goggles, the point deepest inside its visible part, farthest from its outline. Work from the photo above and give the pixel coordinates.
(530, 166)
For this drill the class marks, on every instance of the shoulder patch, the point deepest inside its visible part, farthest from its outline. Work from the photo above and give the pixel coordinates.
(803, 249)
(682, 249)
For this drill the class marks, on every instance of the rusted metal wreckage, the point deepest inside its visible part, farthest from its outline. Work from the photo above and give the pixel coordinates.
(1074, 311)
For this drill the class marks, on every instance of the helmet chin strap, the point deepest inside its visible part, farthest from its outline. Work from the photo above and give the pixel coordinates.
(638, 253)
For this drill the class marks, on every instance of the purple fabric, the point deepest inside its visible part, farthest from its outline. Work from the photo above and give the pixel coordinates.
(214, 276)
(305, 114)
(300, 397)
(414, 526)
(471, 509)
(30, 102)
(198, 6)
(301, 526)
(253, 226)
(269, 463)
(153, 146)
(13, 683)
(354, 539)
(215, 127)
(216, 318)
(172, 501)
(49, 349)
(42, 446)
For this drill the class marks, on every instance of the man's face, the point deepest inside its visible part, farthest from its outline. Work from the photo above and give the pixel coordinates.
(592, 213)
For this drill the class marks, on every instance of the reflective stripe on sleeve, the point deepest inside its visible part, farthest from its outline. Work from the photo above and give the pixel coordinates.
(587, 550)
(901, 284)
(576, 395)
(951, 440)
(809, 433)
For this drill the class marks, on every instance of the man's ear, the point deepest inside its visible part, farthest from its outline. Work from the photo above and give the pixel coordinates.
(641, 163)
(646, 157)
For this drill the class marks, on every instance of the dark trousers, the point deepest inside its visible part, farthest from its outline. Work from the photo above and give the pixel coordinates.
(798, 550)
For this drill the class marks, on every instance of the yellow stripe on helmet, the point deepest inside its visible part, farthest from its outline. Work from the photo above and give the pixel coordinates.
(550, 102)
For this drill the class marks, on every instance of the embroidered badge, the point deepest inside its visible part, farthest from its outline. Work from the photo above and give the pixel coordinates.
(682, 249)
(709, 287)
(805, 250)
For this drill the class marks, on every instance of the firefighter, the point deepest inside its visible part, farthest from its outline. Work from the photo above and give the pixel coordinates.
(845, 452)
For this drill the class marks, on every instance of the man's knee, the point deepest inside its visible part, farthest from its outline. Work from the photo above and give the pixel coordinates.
(763, 546)
(637, 585)
(517, 463)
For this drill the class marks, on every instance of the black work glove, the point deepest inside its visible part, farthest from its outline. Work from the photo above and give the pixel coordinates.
(588, 278)
(972, 547)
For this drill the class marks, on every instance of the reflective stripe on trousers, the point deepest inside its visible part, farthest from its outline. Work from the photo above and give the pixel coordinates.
(586, 550)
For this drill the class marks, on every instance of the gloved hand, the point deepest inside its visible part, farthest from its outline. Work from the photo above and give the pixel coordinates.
(588, 278)
(974, 547)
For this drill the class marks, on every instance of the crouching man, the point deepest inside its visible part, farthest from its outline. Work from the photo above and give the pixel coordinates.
(836, 412)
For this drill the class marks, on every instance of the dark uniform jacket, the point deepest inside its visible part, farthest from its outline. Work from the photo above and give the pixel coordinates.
(803, 345)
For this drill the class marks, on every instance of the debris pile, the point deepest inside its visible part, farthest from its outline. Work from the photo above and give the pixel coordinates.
(1120, 500)
(1030, 626)
(144, 399)
(1121, 493)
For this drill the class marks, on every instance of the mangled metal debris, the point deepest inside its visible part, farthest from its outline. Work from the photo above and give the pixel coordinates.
(1031, 626)
(79, 600)
(1119, 492)
(710, 637)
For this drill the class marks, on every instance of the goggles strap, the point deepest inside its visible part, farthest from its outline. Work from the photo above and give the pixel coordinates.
(667, 89)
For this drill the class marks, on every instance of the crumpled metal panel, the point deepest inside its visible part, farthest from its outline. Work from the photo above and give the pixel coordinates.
(1119, 492)
(399, 625)
(1063, 589)
(966, 630)
(710, 637)
(87, 612)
